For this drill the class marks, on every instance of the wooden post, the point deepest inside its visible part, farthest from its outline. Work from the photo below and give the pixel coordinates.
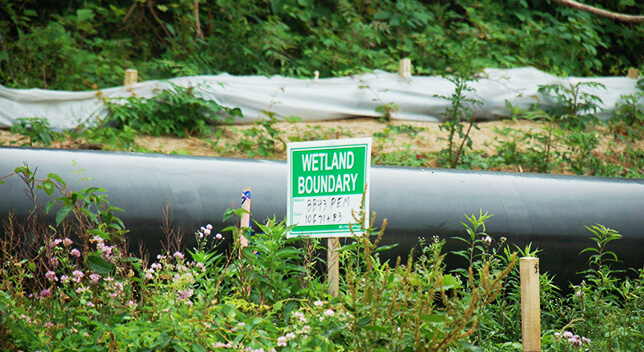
(333, 265)
(130, 77)
(530, 304)
(633, 73)
(245, 218)
(405, 68)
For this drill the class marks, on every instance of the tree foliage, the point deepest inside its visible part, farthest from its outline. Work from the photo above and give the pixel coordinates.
(88, 44)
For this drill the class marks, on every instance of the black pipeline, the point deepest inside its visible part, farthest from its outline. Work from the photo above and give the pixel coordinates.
(546, 210)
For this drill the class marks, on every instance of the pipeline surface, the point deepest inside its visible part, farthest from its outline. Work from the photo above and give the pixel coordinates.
(549, 211)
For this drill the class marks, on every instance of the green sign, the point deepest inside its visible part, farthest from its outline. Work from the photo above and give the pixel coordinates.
(326, 181)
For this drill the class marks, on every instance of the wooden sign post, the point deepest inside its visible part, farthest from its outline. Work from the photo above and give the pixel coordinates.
(530, 304)
(633, 73)
(333, 265)
(326, 181)
(131, 77)
(404, 69)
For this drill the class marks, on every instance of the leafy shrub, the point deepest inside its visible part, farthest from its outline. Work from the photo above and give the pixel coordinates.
(35, 129)
(262, 139)
(574, 107)
(179, 111)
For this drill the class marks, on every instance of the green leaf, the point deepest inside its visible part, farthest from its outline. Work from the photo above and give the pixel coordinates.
(48, 187)
(99, 265)
(198, 348)
(62, 214)
(376, 328)
(57, 178)
(363, 322)
(450, 282)
(49, 206)
(432, 318)
(84, 15)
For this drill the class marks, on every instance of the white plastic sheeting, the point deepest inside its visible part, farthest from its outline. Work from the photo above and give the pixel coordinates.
(323, 99)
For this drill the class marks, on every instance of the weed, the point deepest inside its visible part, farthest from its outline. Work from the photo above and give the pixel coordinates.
(262, 139)
(575, 108)
(387, 111)
(405, 157)
(36, 130)
(409, 130)
(317, 133)
(461, 108)
(582, 145)
(627, 121)
(179, 111)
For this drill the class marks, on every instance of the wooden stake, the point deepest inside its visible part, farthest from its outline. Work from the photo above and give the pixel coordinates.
(633, 73)
(530, 304)
(245, 218)
(130, 77)
(405, 68)
(333, 265)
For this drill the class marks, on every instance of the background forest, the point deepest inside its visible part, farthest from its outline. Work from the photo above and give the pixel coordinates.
(81, 45)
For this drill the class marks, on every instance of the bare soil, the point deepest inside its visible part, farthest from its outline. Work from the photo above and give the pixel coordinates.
(429, 139)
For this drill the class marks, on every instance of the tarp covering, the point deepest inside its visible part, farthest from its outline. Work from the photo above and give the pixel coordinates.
(416, 98)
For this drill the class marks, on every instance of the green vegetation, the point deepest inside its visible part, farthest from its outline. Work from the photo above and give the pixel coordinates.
(89, 44)
(177, 111)
(76, 286)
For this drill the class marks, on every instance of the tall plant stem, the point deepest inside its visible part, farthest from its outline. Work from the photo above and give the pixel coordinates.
(460, 149)
(548, 149)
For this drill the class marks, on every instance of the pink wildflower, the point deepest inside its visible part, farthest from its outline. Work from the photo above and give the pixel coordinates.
(55, 243)
(54, 262)
(67, 242)
(93, 278)
(75, 252)
(78, 275)
(185, 294)
(178, 255)
(51, 276)
(45, 293)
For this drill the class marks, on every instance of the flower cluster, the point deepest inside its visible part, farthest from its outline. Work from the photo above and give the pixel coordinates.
(106, 251)
(203, 235)
(573, 340)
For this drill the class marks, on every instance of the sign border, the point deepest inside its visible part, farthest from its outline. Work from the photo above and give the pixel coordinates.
(327, 144)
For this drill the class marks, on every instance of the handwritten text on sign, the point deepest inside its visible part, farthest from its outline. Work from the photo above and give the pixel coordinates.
(326, 183)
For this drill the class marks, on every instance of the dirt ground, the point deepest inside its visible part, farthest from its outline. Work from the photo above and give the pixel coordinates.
(429, 138)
